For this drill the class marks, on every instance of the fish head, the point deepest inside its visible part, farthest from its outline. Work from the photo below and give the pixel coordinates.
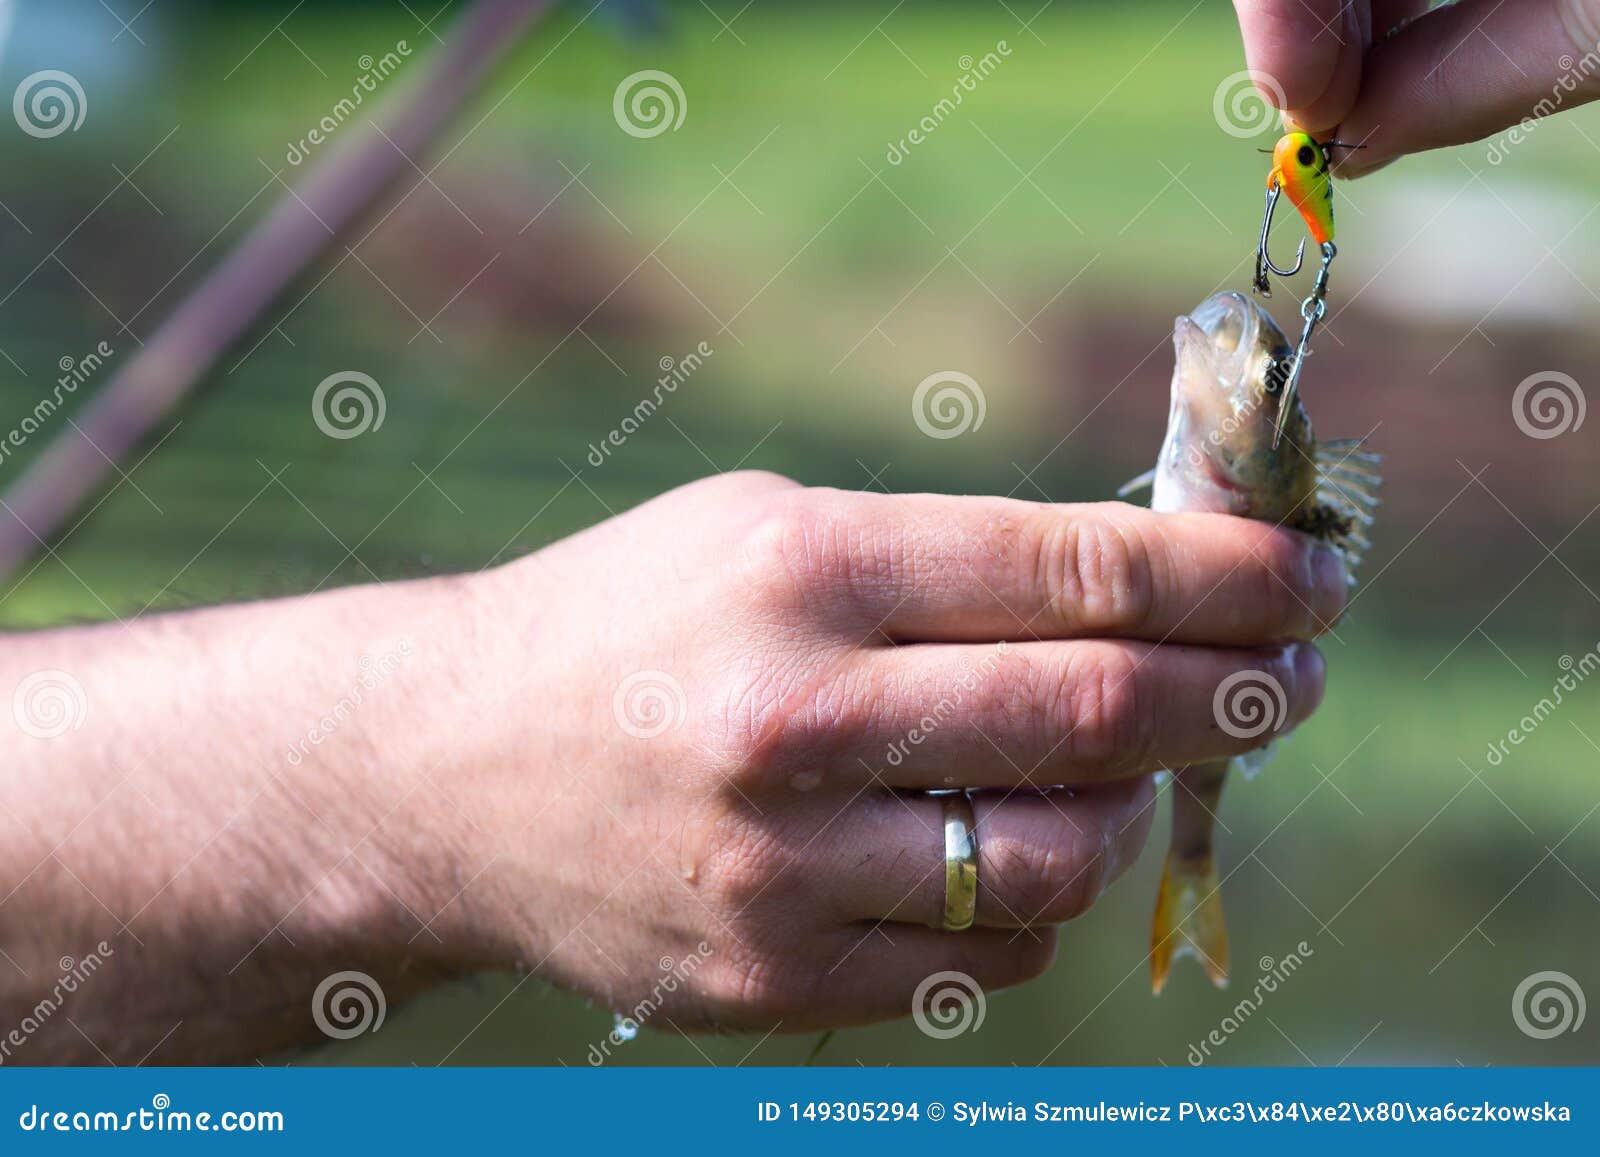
(1231, 364)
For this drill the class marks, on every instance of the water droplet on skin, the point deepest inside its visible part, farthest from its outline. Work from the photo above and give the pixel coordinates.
(694, 846)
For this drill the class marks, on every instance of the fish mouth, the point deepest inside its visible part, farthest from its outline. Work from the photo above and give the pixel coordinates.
(1229, 320)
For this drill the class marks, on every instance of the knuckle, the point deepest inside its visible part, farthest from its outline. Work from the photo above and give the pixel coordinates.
(746, 713)
(1096, 574)
(784, 553)
(1103, 709)
(739, 484)
(779, 718)
(747, 865)
(756, 481)
(809, 550)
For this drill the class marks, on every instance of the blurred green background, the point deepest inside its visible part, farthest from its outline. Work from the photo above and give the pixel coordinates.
(1041, 240)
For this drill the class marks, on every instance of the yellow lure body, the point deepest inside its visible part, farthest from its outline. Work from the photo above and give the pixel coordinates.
(1300, 169)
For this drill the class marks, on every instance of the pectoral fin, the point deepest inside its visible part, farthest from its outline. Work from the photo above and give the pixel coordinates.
(1347, 494)
(1133, 485)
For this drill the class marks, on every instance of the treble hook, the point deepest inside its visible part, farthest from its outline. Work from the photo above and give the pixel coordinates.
(1264, 263)
(1312, 310)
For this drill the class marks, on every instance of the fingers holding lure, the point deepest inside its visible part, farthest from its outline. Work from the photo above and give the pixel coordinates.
(1300, 171)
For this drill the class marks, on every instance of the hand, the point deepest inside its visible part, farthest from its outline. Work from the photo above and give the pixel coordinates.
(1398, 78)
(696, 731)
(743, 685)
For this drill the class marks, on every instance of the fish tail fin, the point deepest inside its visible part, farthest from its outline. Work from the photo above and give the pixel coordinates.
(1189, 921)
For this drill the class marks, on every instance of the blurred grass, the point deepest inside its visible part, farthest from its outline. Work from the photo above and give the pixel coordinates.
(840, 292)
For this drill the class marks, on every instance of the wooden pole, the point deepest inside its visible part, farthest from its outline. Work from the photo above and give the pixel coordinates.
(301, 226)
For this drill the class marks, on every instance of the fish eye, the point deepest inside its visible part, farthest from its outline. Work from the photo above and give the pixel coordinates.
(1306, 156)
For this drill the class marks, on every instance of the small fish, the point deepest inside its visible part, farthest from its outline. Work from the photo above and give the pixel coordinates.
(1231, 363)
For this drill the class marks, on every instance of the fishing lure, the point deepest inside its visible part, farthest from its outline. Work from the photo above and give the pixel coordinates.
(1300, 171)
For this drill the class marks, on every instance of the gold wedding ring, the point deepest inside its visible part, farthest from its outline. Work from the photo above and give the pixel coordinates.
(960, 862)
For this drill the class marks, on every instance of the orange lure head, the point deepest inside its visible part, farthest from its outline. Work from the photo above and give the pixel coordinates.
(1300, 169)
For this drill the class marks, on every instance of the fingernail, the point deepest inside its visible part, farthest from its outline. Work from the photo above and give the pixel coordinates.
(1111, 855)
(1352, 25)
(1310, 673)
(1330, 586)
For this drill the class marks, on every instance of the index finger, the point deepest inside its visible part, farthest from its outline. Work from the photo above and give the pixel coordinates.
(936, 568)
(1466, 71)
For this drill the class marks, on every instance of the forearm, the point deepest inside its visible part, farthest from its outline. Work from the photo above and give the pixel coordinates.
(238, 802)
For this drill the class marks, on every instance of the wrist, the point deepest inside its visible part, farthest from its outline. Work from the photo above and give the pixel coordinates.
(460, 767)
(380, 777)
